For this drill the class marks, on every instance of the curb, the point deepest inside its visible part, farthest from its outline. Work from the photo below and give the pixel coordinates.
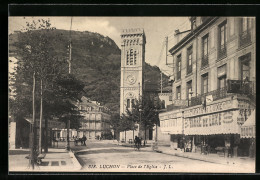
(226, 162)
(75, 160)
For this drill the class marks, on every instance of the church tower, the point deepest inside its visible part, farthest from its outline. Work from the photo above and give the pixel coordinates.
(132, 64)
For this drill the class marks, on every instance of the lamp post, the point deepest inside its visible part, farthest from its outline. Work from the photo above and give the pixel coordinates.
(140, 116)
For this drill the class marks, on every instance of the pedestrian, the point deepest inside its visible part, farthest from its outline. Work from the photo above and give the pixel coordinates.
(76, 141)
(84, 140)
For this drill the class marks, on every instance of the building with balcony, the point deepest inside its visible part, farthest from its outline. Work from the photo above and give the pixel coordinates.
(95, 122)
(214, 88)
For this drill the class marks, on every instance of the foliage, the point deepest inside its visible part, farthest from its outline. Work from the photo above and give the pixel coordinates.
(96, 61)
(145, 112)
(36, 51)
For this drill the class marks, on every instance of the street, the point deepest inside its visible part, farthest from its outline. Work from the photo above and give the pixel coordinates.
(100, 156)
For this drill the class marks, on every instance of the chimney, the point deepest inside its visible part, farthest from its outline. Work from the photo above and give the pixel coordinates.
(176, 35)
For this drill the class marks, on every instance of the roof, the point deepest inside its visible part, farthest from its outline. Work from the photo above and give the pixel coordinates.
(192, 34)
(250, 121)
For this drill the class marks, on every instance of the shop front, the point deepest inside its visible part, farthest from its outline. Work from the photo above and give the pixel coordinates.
(248, 136)
(172, 123)
(214, 128)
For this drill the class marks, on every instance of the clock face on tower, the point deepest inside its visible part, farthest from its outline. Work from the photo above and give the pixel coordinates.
(131, 79)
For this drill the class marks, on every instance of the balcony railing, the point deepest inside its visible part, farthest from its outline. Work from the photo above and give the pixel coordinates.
(244, 38)
(233, 86)
(240, 87)
(216, 95)
(204, 61)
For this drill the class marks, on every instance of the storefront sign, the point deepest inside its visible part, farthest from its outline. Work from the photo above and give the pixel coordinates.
(243, 115)
(209, 109)
(217, 123)
(210, 120)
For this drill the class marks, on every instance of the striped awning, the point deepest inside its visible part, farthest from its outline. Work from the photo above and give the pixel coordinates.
(248, 128)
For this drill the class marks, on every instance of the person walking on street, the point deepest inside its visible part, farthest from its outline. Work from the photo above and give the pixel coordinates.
(84, 140)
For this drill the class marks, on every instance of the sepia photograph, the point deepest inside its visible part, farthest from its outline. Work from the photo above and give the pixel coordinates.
(130, 94)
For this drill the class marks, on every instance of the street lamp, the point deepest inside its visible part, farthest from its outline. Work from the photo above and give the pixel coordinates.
(140, 116)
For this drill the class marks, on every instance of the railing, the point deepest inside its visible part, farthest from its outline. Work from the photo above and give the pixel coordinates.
(240, 87)
(233, 86)
(204, 61)
(216, 95)
(245, 38)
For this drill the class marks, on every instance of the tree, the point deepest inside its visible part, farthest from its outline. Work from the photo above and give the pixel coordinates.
(115, 124)
(38, 58)
(126, 123)
(145, 112)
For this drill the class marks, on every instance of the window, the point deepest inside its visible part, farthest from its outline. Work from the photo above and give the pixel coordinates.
(189, 89)
(127, 58)
(222, 76)
(131, 57)
(189, 60)
(245, 24)
(222, 39)
(204, 83)
(135, 57)
(132, 103)
(178, 67)
(245, 67)
(245, 36)
(128, 103)
(222, 82)
(178, 92)
(205, 45)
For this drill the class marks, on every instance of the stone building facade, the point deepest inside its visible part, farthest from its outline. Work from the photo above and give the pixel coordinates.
(214, 69)
(95, 123)
(132, 67)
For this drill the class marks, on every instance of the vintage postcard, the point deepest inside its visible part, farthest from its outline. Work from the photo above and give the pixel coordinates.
(127, 94)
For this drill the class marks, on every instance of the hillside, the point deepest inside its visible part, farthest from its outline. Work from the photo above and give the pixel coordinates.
(96, 62)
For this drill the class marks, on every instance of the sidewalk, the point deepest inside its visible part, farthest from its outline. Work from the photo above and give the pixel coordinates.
(56, 160)
(245, 162)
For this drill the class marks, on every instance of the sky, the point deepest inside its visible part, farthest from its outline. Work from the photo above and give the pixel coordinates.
(155, 28)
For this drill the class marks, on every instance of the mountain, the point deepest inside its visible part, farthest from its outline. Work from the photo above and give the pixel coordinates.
(96, 62)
